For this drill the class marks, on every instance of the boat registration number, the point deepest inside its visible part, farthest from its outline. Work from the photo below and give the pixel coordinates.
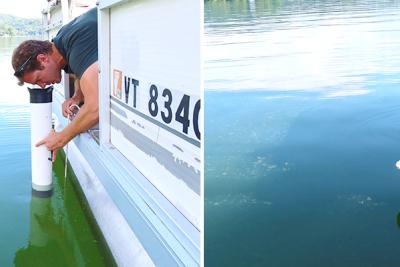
(178, 109)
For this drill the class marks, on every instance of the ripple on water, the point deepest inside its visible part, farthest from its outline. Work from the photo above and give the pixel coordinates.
(240, 200)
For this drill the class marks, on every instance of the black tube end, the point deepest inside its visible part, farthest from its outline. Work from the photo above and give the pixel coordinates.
(38, 95)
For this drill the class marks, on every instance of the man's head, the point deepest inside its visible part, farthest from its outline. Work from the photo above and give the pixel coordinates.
(33, 63)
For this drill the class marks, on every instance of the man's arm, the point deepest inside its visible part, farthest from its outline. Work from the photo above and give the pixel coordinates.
(77, 98)
(87, 116)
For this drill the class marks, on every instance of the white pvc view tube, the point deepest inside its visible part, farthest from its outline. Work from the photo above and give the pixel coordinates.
(41, 109)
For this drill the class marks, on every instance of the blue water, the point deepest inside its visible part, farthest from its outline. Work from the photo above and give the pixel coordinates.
(14, 159)
(302, 133)
(15, 166)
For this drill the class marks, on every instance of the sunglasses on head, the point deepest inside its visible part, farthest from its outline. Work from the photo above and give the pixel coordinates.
(21, 69)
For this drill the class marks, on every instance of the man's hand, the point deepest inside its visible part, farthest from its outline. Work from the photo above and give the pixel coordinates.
(77, 98)
(53, 142)
(67, 106)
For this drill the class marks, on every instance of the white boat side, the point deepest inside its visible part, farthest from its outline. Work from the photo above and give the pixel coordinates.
(140, 172)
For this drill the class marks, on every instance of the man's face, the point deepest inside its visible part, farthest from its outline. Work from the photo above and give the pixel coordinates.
(51, 73)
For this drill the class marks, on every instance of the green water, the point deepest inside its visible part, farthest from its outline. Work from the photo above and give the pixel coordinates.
(60, 231)
(302, 123)
(55, 231)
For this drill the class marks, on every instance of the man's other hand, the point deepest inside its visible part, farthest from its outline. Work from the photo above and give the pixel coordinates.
(66, 106)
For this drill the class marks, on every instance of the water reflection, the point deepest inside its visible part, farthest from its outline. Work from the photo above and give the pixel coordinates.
(46, 244)
(59, 233)
(299, 45)
(10, 93)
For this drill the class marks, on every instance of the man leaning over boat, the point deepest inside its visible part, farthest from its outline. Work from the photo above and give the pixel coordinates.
(75, 50)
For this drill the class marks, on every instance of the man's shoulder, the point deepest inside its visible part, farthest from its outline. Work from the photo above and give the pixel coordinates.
(77, 41)
(89, 17)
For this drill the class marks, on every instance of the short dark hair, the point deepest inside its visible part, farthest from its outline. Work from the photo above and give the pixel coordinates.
(29, 49)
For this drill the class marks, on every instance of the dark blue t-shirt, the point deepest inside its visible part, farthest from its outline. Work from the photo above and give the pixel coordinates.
(77, 42)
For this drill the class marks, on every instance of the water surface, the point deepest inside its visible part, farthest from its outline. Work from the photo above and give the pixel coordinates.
(302, 133)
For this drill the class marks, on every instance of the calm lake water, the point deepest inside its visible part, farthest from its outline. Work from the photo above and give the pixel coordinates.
(302, 122)
(35, 231)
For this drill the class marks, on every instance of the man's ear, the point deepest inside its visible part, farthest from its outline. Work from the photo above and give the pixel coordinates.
(42, 58)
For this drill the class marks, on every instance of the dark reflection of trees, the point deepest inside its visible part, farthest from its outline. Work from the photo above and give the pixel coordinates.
(398, 219)
(216, 11)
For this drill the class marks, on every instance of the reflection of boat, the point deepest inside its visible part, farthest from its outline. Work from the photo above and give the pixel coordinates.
(140, 171)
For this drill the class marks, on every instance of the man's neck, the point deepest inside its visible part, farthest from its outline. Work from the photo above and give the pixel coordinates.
(58, 57)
